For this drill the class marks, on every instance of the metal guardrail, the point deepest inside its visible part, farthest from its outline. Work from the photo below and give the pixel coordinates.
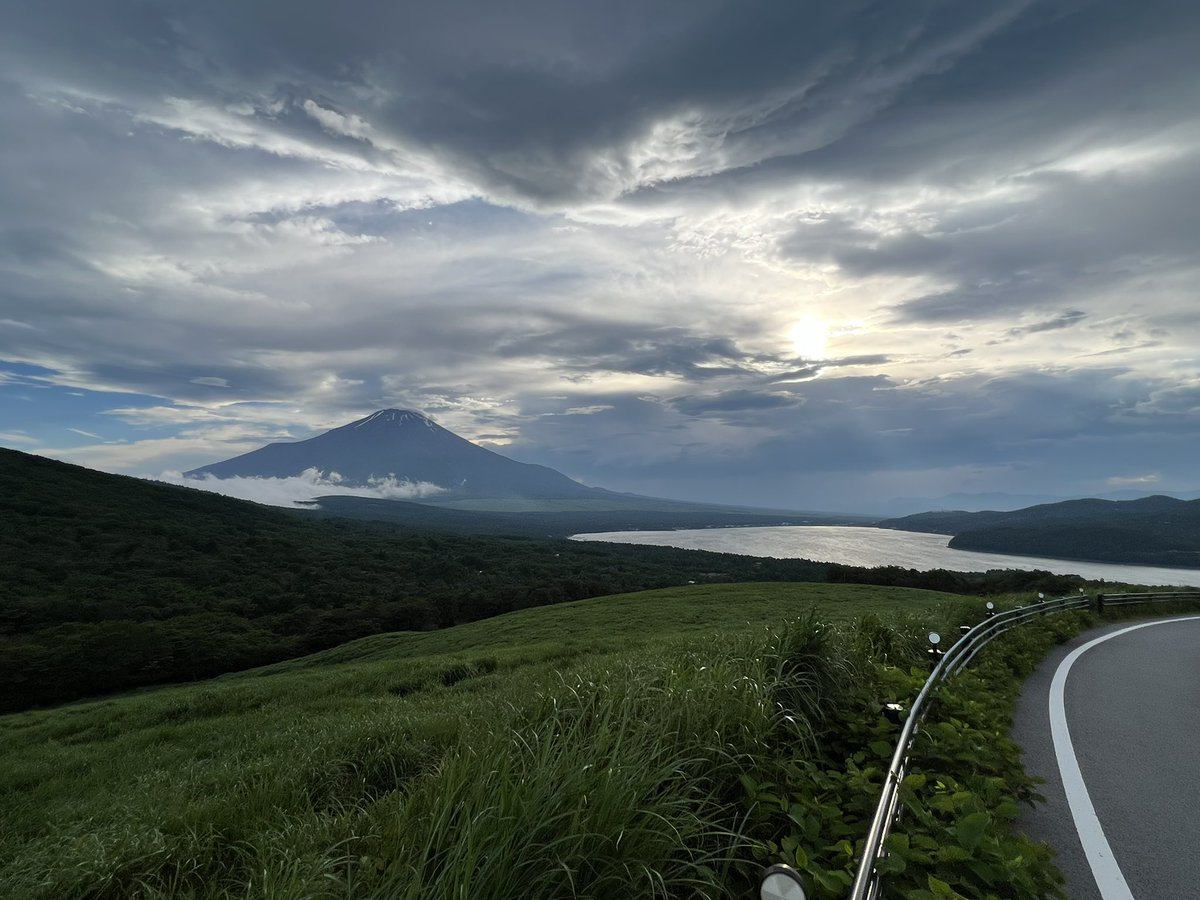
(1103, 600)
(784, 883)
(867, 882)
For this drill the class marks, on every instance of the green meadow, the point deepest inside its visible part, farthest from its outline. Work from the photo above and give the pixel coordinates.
(590, 749)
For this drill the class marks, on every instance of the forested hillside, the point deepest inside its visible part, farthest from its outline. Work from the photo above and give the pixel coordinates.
(1158, 531)
(562, 523)
(109, 582)
(1145, 543)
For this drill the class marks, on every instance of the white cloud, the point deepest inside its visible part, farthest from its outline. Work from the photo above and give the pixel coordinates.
(1133, 480)
(148, 455)
(16, 437)
(350, 126)
(299, 489)
(212, 123)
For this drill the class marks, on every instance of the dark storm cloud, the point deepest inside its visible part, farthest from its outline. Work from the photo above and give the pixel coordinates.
(1059, 322)
(549, 101)
(731, 402)
(546, 100)
(1072, 234)
(1033, 76)
(585, 347)
(802, 374)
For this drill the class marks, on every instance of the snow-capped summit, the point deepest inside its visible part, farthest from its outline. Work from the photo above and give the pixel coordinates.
(409, 446)
(395, 417)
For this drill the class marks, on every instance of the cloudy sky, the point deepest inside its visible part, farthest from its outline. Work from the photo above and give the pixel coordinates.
(803, 254)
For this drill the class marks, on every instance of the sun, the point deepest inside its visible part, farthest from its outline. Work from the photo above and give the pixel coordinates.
(810, 338)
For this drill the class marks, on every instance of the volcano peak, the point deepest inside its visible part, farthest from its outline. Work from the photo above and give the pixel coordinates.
(396, 417)
(389, 443)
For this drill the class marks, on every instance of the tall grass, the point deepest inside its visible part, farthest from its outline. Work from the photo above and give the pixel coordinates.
(623, 782)
(523, 772)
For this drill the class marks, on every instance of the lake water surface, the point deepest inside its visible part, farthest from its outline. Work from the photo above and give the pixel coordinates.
(856, 546)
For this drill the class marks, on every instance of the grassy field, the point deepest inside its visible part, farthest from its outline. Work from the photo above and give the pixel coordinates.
(626, 621)
(584, 749)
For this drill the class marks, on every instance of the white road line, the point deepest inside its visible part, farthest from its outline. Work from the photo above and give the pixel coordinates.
(1109, 878)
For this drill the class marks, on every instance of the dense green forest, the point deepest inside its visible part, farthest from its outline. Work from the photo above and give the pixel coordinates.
(562, 523)
(1147, 544)
(1151, 531)
(109, 583)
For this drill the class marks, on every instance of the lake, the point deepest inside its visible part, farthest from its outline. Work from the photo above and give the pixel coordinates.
(857, 546)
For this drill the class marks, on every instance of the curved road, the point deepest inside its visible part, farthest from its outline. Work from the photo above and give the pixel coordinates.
(1111, 720)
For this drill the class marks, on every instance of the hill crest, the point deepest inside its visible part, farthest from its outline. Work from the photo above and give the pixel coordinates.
(1155, 531)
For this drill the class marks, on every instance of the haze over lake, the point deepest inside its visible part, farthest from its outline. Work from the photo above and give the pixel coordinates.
(857, 546)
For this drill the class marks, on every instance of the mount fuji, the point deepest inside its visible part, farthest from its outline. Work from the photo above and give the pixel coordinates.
(477, 490)
(407, 446)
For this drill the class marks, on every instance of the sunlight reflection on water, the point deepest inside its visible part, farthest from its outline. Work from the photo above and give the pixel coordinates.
(857, 546)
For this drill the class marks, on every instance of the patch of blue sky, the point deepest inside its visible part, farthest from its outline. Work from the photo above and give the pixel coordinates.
(35, 406)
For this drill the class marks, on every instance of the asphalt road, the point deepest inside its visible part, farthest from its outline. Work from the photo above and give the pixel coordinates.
(1128, 711)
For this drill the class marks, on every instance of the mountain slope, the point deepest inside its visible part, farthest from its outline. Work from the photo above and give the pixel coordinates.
(1157, 530)
(407, 446)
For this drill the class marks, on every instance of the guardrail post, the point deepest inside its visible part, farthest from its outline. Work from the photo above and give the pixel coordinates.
(781, 882)
(893, 711)
(935, 652)
(1100, 604)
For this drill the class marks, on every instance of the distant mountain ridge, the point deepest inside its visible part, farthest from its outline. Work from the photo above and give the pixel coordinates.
(1156, 530)
(408, 446)
(997, 501)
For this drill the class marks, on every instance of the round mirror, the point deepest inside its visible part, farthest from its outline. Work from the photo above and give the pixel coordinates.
(934, 637)
(991, 605)
(780, 882)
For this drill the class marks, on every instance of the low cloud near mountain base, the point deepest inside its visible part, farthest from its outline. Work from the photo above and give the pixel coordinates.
(300, 489)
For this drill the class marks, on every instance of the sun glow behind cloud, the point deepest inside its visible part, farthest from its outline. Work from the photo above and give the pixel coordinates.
(810, 338)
